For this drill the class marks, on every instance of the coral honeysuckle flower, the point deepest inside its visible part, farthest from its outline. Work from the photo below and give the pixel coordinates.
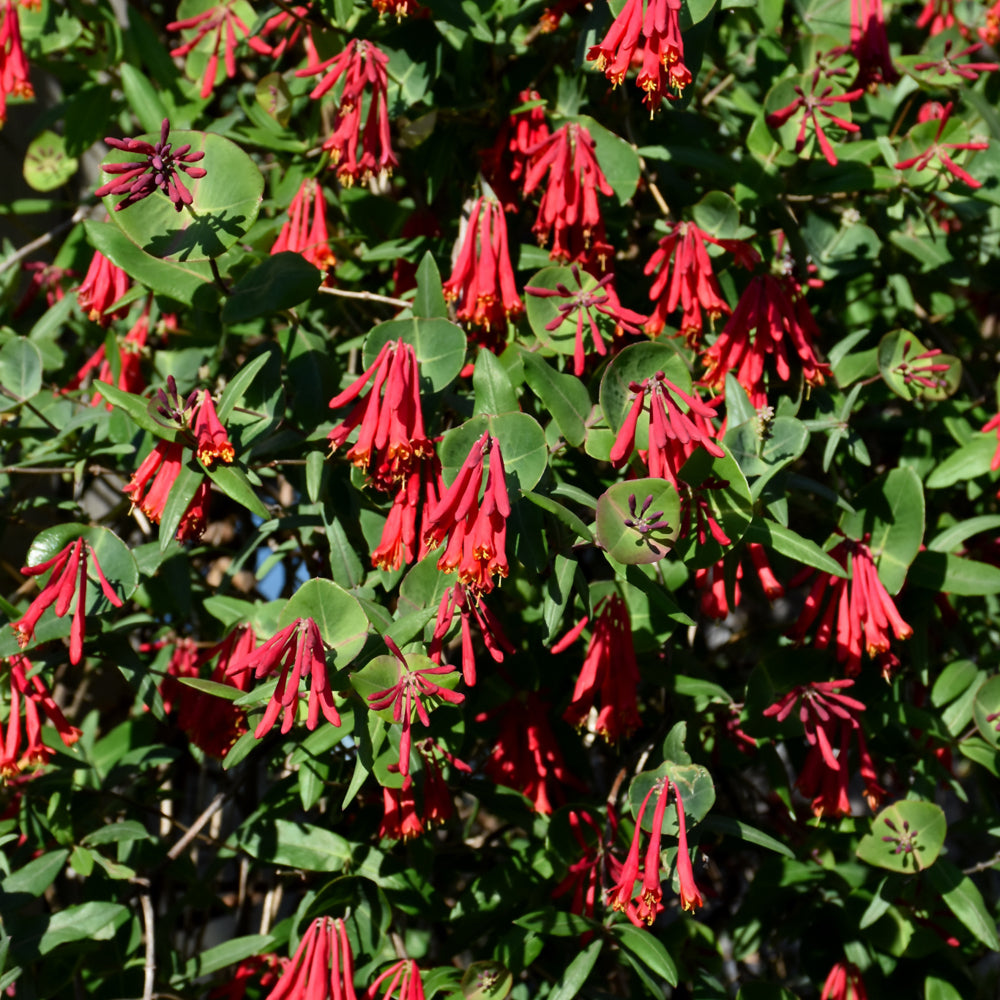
(870, 46)
(402, 976)
(990, 32)
(993, 424)
(150, 485)
(582, 302)
(391, 444)
(646, 33)
(482, 280)
(505, 162)
(406, 697)
(129, 356)
(771, 317)
(938, 16)
(402, 539)
(864, 613)
(939, 149)
(400, 819)
(609, 671)
(287, 25)
(476, 529)
(585, 875)
(363, 67)
(68, 579)
(211, 439)
(568, 210)
(305, 231)
(322, 967)
(159, 171)
(220, 19)
(469, 604)
(297, 651)
(948, 64)
(678, 423)
(692, 282)
(399, 8)
(27, 686)
(844, 982)
(103, 285)
(812, 105)
(14, 79)
(827, 717)
(712, 584)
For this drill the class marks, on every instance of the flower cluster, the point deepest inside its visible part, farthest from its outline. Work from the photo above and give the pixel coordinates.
(137, 179)
(305, 231)
(362, 66)
(678, 423)
(646, 33)
(650, 901)
(482, 280)
(68, 580)
(844, 982)
(864, 612)
(476, 529)
(939, 150)
(103, 285)
(216, 21)
(403, 976)
(14, 78)
(711, 581)
(468, 602)
(505, 162)
(829, 718)
(609, 670)
(682, 260)
(322, 967)
(129, 357)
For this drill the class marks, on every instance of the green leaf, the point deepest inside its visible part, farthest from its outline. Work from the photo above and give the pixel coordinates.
(121, 831)
(951, 538)
(952, 681)
(522, 445)
(439, 345)
(143, 100)
(487, 980)
(577, 972)
(891, 509)
(803, 550)
(961, 896)
(135, 407)
(971, 460)
(905, 372)
(940, 989)
(649, 949)
(494, 393)
(47, 164)
(182, 492)
(717, 213)
(953, 575)
(342, 623)
(224, 207)
(429, 301)
(382, 672)
(190, 282)
(563, 395)
(555, 923)
(986, 711)
(37, 875)
(295, 845)
(634, 364)
(730, 827)
(281, 282)
(20, 372)
(560, 512)
(785, 441)
(232, 480)
(638, 520)
(237, 386)
(905, 837)
(88, 921)
(696, 788)
(226, 954)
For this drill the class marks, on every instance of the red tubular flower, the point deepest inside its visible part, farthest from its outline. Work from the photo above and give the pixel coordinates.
(129, 355)
(482, 279)
(844, 982)
(476, 530)
(938, 16)
(865, 613)
(610, 670)
(468, 602)
(69, 578)
(150, 485)
(261, 970)
(298, 651)
(711, 582)
(305, 231)
(674, 432)
(692, 282)
(364, 68)
(994, 425)
(103, 285)
(770, 319)
(399, 8)
(403, 976)
(400, 819)
(585, 875)
(185, 661)
(406, 698)
(948, 64)
(689, 894)
(322, 967)
(990, 32)
(221, 19)
(568, 210)
(527, 757)
(620, 895)
(938, 149)
(652, 39)
(602, 298)
(160, 170)
(212, 441)
(391, 444)
(14, 77)
(505, 162)
(812, 106)
(870, 45)
(27, 686)
(401, 538)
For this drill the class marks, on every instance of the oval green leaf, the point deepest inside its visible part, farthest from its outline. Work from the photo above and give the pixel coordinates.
(638, 520)
(906, 837)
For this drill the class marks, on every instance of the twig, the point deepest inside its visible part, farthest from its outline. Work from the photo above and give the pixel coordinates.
(149, 966)
(983, 865)
(368, 296)
(717, 89)
(195, 828)
(29, 248)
